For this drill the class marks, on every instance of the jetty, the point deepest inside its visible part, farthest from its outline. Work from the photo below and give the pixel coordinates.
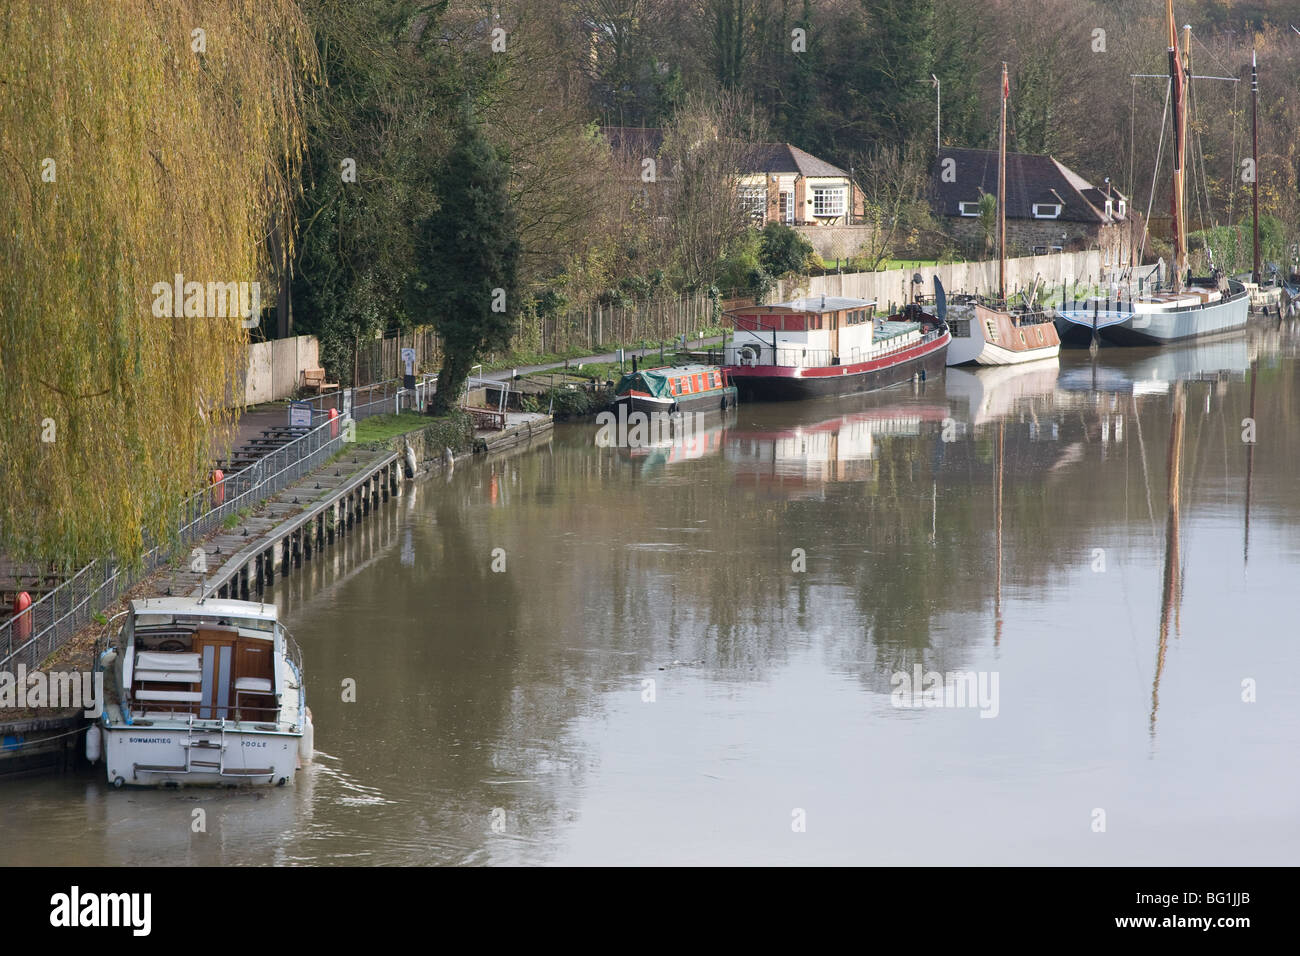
(267, 520)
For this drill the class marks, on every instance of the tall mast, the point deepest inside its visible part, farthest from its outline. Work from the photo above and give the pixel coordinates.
(1002, 191)
(1254, 154)
(1180, 146)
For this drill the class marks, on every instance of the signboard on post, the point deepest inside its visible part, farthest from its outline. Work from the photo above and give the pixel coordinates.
(300, 414)
(408, 359)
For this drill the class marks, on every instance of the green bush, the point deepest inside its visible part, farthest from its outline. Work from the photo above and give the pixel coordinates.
(783, 252)
(741, 271)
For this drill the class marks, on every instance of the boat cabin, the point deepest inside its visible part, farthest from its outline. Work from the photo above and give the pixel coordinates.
(671, 382)
(813, 331)
(209, 661)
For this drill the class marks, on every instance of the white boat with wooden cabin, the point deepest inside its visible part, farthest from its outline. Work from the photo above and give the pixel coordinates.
(991, 333)
(200, 691)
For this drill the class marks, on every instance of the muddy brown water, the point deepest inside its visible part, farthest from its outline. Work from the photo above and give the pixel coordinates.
(696, 653)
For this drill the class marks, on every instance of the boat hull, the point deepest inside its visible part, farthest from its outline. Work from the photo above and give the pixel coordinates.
(1159, 328)
(715, 400)
(160, 756)
(996, 355)
(768, 383)
(1017, 342)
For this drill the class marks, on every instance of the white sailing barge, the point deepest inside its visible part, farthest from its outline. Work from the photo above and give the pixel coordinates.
(201, 691)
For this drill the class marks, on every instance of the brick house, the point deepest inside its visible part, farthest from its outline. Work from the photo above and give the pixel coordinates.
(782, 183)
(1049, 206)
(778, 182)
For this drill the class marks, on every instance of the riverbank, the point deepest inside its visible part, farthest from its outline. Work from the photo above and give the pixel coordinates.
(243, 559)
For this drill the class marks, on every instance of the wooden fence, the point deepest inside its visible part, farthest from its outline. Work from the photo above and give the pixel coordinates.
(593, 329)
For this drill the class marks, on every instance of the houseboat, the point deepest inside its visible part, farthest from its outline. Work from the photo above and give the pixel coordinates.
(674, 389)
(824, 345)
(199, 691)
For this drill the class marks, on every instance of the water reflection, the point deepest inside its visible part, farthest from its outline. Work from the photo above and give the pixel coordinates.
(684, 642)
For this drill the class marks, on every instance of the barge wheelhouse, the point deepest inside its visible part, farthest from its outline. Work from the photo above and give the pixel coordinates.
(201, 691)
(826, 345)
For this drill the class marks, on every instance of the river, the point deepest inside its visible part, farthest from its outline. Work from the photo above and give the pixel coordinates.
(701, 653)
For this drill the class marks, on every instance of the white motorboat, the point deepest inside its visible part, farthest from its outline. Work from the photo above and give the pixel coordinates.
(200, 691)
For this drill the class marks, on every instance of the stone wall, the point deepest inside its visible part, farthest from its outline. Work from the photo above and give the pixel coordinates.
(835, 242)
(1026, 235)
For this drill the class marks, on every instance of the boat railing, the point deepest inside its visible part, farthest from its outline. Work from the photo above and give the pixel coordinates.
(32, 635)
(752, 353)
(292, 652)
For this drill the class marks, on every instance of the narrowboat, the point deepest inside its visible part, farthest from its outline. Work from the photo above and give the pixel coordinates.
(826, 345)
(200, 692)
(674, 389)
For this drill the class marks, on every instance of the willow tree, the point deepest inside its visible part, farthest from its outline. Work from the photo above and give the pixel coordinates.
(140, 141)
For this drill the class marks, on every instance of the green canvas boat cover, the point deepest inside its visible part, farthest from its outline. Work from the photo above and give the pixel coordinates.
(656, 381)
(651, 382)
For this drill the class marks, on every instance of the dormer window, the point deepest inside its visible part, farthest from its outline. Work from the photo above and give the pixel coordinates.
(1123, 207)
(1047, 210)
(968, 208)
(1109, 210)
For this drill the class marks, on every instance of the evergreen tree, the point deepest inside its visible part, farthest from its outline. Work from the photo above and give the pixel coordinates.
(467, 252)
(898, 65)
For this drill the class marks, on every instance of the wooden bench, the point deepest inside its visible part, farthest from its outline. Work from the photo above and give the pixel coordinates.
(314, 378)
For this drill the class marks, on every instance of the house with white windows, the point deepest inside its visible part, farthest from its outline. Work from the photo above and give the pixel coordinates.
(1050, 208)
(778, 182)
(782, 183)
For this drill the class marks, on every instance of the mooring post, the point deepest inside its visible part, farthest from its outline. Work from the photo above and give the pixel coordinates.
(243, 582)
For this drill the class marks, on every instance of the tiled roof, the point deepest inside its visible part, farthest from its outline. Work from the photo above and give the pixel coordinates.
(1031, 179)
(642, 141)
(760, 157)
(784, 158)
